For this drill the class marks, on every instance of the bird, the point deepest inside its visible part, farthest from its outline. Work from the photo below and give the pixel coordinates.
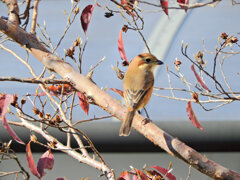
(137, 87)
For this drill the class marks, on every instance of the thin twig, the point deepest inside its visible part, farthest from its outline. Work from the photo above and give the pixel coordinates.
(225, 80)
(217, 84)
(184, 99)
(34, 18)
(92, 119)
(26, 15)
(189, 172)
(70, 119)
(80, 57)
(98, 63)
(216, 96)
(218, 106)
(169, 82)
(69, 23)
(35, 81)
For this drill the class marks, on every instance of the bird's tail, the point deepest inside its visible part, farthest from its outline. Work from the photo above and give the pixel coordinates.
(127, 124)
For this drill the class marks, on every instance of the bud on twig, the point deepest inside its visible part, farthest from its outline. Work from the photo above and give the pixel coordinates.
(199, 58)
(35, 110)
(224, 35)
(70, 52)
(195, 97)
(15, 98)
(23, 101)
(177, 62)
(33, 138)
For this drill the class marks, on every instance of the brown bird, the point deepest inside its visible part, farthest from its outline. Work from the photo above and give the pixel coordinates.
(138, 86)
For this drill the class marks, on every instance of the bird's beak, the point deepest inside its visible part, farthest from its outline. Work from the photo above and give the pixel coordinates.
(158, 62)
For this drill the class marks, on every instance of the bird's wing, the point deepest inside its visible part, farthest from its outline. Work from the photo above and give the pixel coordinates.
(133, 97)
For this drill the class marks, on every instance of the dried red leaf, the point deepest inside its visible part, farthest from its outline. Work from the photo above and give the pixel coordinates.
(83, 102)
(121, 46)
(128, 6)
(224, 35)
(57, 90)
(192, 117)
(52, 88)
(164, 172)
(61, 179)
(164, 4)
(184, 2)
(45, 162)
(140, 175)
(153, 174)
(30, 161)
(199, 79)
(67, 89)
(86, 17)
(59, 87)
(5, 101)
(124, 176)
(118, 91)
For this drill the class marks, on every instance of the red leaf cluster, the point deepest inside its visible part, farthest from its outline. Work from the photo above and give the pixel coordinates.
(5, 101)
(30, 161)
(157, 173)
(164, 172)
(46, 161)
(56, 90)
(140, 175)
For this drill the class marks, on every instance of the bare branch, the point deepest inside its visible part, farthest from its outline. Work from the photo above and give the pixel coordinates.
(61, 147)
(34, 18)
(69, 23)
(171, 145)
(36, 81)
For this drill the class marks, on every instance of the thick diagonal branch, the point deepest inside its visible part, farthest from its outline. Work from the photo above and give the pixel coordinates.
(171, 145)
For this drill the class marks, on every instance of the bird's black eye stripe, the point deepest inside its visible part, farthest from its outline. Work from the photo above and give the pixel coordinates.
(148, 60)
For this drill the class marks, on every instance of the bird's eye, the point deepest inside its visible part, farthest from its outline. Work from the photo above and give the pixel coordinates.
(148, 60)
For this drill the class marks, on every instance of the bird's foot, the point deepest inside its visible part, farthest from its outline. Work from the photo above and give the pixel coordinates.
(146, 120)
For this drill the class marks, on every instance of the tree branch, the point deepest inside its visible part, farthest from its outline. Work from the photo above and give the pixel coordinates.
(35, 81)
(160, 138)
(34, 18)
(76, 155)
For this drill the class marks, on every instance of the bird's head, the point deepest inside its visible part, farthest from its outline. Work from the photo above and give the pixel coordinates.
(146, 61)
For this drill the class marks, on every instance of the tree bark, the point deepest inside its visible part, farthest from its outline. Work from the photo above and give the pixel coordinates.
(81, 83)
